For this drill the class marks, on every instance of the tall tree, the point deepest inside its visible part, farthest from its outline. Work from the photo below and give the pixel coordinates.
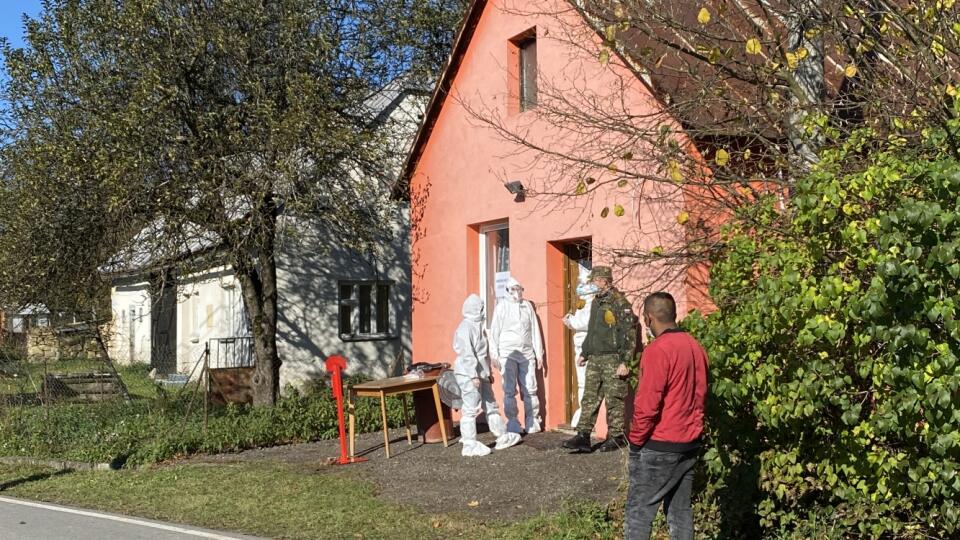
(201, 123)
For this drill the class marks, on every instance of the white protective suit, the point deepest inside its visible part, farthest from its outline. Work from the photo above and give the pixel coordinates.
(473, 377)
(578, 322)
(516, 342)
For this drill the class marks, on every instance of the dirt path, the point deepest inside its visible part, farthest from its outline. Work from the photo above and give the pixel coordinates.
(536, 475)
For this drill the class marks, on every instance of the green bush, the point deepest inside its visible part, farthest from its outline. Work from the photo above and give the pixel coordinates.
(148, 431)
(834, 368)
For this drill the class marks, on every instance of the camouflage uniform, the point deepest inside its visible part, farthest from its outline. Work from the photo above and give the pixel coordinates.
(611, 341)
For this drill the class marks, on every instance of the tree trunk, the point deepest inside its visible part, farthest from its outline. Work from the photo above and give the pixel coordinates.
(258, 282)
(808, 85)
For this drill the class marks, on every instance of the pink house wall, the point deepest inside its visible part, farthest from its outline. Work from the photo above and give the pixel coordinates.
(457, 185)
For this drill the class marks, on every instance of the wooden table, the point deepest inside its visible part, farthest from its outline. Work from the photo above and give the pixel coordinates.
(388, 387)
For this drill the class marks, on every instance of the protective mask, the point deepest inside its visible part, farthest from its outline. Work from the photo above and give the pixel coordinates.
(586, 289)
(648, 330)
(516, 295)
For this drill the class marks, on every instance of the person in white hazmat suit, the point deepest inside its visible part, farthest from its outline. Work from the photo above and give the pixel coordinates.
(578, 322)
(517, 345)
(472, 370)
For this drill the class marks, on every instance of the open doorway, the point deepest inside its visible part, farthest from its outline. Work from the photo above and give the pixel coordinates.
(494, 264)
(577, 263)
(163, 317)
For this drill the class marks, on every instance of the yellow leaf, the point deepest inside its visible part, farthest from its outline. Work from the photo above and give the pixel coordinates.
(683, 217)
(611, 32)
(802, 53)
(714, 56)
(581, 188)
(792, 60)
(937, 47)
(675, 173)
(704, 16)
(722, 157)
(604, 56)
(473, 504)
(746, 154)
(951, 90)
(605, 212)
(850, 70)
(609, 318)
(618, 210)
(753, 46)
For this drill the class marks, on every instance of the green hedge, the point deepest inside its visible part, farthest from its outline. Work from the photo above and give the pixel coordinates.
(835, 382)
(147, 431)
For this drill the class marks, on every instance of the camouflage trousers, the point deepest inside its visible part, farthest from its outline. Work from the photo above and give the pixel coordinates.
(603, 385)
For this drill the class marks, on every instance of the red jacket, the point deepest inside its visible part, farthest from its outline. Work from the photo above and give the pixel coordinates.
(668, 407)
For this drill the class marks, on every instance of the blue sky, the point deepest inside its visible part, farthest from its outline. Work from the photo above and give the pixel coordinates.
(11, 18)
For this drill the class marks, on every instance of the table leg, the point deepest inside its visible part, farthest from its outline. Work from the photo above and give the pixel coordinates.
(383, 413)
(406, 419)
(443, 424)
(353, 414)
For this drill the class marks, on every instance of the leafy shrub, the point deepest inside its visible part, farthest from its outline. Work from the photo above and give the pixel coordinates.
(835, 379)
(147, 431)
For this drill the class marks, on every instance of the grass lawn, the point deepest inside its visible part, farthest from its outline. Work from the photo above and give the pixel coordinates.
(278, 501)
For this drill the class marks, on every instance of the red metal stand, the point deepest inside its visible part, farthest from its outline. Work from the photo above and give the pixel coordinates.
(335, 365)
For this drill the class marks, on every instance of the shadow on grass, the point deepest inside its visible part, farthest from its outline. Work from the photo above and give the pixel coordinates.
(36, 477)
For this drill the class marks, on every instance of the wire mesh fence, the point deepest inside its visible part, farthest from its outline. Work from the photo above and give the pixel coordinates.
(71, 403)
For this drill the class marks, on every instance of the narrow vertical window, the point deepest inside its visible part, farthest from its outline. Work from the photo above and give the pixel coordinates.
(528, 72)
(346, 309)
(383, 308)
(365, 306)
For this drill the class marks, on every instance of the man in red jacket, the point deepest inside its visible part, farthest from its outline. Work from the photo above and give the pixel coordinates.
(667, 424)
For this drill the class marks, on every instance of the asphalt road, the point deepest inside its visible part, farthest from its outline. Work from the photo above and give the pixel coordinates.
(28, 520)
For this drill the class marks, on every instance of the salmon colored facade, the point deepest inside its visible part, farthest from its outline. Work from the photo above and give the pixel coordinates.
(460, 205)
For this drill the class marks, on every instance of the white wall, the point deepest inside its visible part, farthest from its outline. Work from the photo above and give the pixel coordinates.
(130, 335)
(208, 305)
(310, 264)
(308, 272)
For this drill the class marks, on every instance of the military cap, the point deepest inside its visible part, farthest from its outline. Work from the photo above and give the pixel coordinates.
(601, 272)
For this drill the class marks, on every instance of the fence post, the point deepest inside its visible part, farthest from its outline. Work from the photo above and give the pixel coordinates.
(206, 387)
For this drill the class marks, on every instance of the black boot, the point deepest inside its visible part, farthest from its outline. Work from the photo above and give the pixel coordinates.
(613, 443)
(580, 442)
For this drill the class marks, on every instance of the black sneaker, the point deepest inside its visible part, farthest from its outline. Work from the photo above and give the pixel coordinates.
(613, 443)
(580, 442)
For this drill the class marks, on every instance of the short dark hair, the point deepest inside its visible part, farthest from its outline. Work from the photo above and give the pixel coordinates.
(661, 306)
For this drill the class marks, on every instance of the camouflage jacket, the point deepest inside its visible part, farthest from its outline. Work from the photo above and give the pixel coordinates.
(612, 328)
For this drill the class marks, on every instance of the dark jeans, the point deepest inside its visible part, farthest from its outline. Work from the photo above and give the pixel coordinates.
(657, 477)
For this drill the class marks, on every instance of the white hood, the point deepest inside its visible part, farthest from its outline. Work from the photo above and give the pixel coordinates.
(473, 308)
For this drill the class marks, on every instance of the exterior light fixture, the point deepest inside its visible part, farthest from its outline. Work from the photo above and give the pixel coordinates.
(516, 187)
